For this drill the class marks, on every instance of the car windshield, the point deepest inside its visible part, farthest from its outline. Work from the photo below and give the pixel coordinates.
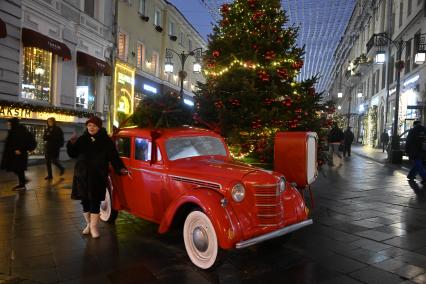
(185, 147)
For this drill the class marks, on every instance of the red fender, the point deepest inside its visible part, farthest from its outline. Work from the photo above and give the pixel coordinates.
(225, 222)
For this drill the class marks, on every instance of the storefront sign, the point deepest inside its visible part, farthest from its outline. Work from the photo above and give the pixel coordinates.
(123, 92)
(8, 112)
(149, 88)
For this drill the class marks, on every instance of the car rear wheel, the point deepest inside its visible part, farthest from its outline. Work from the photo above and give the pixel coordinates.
(200, 240)
(107, 213)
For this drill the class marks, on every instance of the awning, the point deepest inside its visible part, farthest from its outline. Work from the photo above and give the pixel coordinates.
(3, 32)
(93, 63)
(35, 39)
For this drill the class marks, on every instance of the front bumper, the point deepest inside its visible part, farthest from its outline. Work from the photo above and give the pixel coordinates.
(274, 234)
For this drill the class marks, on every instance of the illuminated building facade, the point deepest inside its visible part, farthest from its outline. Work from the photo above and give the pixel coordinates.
(56, 62)
(367, 89)
(145, 30)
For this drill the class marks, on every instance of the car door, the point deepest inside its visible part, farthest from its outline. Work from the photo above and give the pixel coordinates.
(123, 183)
(148, 181)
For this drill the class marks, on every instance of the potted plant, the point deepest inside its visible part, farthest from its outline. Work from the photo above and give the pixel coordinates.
(158, 29)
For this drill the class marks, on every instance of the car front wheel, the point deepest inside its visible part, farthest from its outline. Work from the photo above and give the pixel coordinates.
(200, 240)
(107, 213)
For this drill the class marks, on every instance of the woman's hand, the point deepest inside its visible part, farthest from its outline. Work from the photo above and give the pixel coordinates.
(124, 172)
(17, 152)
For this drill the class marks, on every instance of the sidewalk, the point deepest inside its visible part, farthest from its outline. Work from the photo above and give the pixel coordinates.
(377, 155)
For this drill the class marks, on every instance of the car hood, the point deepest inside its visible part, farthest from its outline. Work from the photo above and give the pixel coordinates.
(217, 171)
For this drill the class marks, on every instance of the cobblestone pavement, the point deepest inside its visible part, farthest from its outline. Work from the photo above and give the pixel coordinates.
(369, 227)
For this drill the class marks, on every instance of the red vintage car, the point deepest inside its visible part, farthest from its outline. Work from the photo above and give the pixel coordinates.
(187, 177)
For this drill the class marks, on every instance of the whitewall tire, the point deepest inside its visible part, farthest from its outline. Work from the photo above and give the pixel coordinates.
(200, 240)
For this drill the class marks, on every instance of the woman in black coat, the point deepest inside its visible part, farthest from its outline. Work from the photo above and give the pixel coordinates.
(15, 154)
(94, 151)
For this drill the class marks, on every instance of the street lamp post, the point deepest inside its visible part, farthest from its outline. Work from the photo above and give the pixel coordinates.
(395, 154)
(196, 53)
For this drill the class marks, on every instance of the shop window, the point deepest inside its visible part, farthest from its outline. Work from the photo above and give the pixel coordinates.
(140, 55)
(89, 7)
(123, 146)
(138, 99)
(38, 132)
(86, 89)
(37, 74)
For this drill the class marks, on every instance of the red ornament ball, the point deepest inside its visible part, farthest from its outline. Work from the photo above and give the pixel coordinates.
(216, 53)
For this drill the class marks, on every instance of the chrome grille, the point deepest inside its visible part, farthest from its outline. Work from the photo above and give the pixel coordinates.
(268, 204)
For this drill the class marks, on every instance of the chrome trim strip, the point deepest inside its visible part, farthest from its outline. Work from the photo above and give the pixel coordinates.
(205, 183)
(265, 185)
(268, 195)
(268, 205)
(274, 234)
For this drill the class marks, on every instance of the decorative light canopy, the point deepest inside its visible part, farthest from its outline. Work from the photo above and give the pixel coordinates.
(340, 95)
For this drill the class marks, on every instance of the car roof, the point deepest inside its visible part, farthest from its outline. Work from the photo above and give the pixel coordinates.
(166, 132)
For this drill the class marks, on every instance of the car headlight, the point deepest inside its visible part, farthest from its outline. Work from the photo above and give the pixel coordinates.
(238, 192)
(281, 185)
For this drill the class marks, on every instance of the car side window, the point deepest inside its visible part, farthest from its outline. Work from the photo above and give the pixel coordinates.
(143, 149)
(123, 146)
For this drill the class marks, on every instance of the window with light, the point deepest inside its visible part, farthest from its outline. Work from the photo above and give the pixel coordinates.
(37, 74)
(122, 46)
(140, 55)
(86, 88)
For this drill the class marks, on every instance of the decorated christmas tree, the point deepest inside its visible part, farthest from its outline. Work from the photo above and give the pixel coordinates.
(250, 91)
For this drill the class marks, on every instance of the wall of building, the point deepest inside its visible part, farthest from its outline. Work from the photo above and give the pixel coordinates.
(69, 23)
(352, 77)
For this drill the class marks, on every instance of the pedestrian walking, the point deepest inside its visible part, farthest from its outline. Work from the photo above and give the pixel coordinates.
(335, 139)
(18, 143)
(53, 141)
(94, 151)
(384, 138)
(347, 141)
(414, 149)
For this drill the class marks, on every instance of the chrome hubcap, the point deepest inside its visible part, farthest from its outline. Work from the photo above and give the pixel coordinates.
(200, 238)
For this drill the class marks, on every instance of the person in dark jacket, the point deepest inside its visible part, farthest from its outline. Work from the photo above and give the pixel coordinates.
(94, 151)
(15, 154)
(413, 147)
(335, 138)
(347, 141)
(54, 139)
(384, 138)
